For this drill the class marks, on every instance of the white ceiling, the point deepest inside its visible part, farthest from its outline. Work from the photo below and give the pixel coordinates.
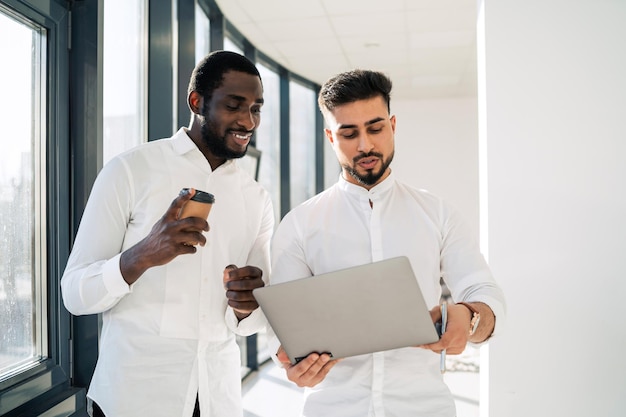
(427, 47)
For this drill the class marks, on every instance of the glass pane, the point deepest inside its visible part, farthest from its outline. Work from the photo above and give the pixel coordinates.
(302, 142)
(203, 33)
(268, 137)
(229, 45)
(22, 228)
(124, 67)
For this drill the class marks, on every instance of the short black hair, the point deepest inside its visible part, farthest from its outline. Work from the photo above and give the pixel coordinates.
(208, 75)
(354, 85)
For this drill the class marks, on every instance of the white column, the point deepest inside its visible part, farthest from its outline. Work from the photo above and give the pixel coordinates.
(556, 143)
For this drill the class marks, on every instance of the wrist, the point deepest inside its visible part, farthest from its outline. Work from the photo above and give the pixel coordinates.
(241, 315)
(474, 317)
(131, 266)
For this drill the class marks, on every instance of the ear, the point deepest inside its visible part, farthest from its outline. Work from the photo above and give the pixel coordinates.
(195, 102)
(329, 136)
(393, 123)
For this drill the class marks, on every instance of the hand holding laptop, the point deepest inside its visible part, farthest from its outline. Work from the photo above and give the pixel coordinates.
(310, 371)
(454, 338)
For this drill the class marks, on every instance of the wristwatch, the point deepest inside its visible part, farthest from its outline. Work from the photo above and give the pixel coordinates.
(475, 318)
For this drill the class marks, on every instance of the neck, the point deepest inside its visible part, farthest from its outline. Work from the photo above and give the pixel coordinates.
(194, 134)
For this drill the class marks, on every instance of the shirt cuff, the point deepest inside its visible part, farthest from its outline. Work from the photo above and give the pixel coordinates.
(113, 279)
(254, 323)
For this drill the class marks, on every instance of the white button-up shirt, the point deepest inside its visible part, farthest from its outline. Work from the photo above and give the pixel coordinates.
(338, 229)
(170, 336)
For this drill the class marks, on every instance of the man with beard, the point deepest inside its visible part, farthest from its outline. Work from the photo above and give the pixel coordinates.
(368, 216)
(173, 294)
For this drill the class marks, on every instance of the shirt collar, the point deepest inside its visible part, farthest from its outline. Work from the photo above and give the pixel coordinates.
(182, 144)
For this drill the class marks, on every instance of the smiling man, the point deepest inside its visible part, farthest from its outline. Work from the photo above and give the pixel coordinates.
(171, 295)
(368, 216)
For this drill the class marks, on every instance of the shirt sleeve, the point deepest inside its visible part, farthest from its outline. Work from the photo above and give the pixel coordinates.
(465, 270)
(92, 281)
(288, 258)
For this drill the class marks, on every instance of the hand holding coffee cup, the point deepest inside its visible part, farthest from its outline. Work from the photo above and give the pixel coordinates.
(198, 206)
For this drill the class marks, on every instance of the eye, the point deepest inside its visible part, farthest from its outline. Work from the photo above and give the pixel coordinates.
(375, 129)
(232, 107)
(256, 110)
(351, 134)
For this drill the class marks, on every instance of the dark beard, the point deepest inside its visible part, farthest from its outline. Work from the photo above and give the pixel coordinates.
(371, 177)
(216, 143)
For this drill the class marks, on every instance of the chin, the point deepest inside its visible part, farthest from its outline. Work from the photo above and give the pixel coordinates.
(237, 154)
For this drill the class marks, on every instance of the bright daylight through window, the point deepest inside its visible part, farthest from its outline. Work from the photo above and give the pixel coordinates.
(23, 332)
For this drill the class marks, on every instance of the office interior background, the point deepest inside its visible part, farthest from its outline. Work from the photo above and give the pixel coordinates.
(512, 111)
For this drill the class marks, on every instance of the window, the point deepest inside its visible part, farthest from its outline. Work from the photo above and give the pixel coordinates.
(302, 143)
(23, 330)
(230, 45)
(124, 89)
(203, 33)
(268, 137)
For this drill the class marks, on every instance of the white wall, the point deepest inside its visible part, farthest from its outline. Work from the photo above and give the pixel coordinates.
(437, 150)
(556, 140)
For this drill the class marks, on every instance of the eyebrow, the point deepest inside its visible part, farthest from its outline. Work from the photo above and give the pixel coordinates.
(369, 122)
(241, 98)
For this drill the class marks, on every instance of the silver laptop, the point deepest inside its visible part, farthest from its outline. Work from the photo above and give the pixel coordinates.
(363, 309)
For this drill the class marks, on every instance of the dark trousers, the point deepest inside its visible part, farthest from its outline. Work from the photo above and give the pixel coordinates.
(97, 412)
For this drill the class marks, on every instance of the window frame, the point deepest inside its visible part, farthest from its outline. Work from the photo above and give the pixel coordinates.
(47, 385)
(36, 236)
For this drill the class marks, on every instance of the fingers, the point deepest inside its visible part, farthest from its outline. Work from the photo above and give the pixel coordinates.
(168, 238)
(282, 357)
(191, 227)
(187, 223)
(245, 278)
(455, 338)
(452, 345)
(239, 283)
(435, 314)
(194, 238)
(234, 274)
(311, 370)
(436, 347)
(227, 272)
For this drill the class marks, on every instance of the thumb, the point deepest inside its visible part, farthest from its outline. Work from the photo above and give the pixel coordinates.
(227, 270)
(178, 203)
(282, 357)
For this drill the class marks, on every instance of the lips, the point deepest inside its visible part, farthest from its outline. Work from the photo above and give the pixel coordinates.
(368, 162)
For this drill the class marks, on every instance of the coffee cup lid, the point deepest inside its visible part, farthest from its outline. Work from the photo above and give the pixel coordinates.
(203, 197)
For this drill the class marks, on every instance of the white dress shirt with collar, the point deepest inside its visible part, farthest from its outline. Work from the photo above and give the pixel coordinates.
(348, 225)
(170, 336)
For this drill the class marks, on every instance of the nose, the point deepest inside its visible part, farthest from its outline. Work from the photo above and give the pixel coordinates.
(248, 120)
(365, 144)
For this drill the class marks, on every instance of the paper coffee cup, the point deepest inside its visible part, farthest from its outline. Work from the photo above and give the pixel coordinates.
(199, 205)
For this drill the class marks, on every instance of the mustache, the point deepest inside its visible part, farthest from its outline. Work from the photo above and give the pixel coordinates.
(366, 155)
